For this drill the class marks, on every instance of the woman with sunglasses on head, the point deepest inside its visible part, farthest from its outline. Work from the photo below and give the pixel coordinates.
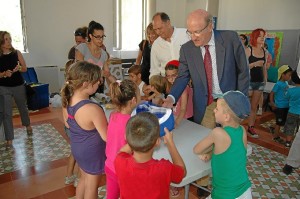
(93, 52)
(80, 35)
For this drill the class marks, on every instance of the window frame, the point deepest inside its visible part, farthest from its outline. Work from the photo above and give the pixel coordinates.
(117, 39)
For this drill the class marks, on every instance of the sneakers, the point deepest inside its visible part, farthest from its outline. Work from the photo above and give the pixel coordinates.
(70, 179)
(272, 129)
(278, 140)
(288, 144)
(252, 132)
(259, 111)
(287, 169)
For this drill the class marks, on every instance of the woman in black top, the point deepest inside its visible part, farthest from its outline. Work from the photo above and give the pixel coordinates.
(12, 86)
(258, 73)
(145, 52)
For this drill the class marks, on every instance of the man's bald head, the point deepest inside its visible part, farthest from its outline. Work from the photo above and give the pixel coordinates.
(199, 27)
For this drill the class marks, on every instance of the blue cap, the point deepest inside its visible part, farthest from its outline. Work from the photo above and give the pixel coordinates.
(164, 115)
(238, 103)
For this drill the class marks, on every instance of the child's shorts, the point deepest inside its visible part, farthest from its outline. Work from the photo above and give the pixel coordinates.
(292, 124)
(281, 114)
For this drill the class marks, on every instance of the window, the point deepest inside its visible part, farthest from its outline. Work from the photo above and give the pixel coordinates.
(11, 20)
(129, 23)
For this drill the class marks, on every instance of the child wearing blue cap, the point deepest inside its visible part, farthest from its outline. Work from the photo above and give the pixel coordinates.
(229, 148)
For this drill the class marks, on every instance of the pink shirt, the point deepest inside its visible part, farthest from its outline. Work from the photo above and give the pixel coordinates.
(115, 137)
(189, 109)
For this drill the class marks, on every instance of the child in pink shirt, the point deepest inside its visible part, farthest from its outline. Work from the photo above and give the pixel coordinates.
(125, 96)
(184, 106)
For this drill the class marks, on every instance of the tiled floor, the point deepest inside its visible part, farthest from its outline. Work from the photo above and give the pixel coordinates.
(45, 178)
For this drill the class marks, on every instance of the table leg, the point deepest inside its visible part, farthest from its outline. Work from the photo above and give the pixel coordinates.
(186, 191)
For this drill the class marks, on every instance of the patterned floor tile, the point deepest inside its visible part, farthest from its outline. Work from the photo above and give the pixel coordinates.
(268, 181)
(45, 145)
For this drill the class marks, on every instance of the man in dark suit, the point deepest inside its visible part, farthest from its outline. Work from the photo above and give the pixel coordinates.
(216, 63)
(230, 69)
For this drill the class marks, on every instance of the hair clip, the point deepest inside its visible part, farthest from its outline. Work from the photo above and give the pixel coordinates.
(119, 82)
(67, 82)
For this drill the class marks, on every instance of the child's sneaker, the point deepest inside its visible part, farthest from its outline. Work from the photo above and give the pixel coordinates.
(278, 140)
(70, 179)
(259, 111)
(288, 144)
(252, 132)
(287, 169)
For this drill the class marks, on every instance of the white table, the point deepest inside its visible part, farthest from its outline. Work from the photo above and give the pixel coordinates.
(186, 137)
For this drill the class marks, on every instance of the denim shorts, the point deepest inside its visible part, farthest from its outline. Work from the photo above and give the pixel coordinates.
(257, 86)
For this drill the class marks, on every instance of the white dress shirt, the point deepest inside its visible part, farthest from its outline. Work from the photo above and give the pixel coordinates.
(163, 51)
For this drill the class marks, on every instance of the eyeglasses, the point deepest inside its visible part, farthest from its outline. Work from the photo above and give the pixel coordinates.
(99, 36)
(171, 76)
(198, 32)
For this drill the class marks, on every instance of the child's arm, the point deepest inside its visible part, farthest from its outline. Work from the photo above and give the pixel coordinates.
(175, 156)
(272, 104)
(183, 106)
(126, 148)
(99, 120)
(205, 145)
(65, 117)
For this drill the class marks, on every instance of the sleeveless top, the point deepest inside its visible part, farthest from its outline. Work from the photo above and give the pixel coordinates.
(9, 62)
(145, 65)
(87, 146)
(229, 173)
(256, 73)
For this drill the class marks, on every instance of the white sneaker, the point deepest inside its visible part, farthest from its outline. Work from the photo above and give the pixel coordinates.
(259, 111)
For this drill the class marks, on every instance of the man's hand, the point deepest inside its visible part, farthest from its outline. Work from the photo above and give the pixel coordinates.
(168, 102)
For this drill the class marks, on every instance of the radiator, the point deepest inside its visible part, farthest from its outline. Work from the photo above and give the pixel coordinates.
(50, 75)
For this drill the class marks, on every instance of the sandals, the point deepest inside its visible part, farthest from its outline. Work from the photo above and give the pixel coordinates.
(174, 192)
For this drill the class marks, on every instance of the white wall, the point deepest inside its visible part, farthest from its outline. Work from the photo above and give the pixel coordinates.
(51, 24)
(267, 14)
(179, 9)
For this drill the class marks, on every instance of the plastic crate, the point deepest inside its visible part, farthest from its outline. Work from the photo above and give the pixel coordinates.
(41, 97)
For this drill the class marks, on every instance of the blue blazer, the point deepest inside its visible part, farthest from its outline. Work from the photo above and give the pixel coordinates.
(232, 67)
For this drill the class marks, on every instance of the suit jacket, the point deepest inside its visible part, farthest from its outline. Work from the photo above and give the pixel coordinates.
(232, 67)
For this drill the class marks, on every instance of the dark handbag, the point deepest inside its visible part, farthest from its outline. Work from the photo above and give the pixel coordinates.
(29, 90)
